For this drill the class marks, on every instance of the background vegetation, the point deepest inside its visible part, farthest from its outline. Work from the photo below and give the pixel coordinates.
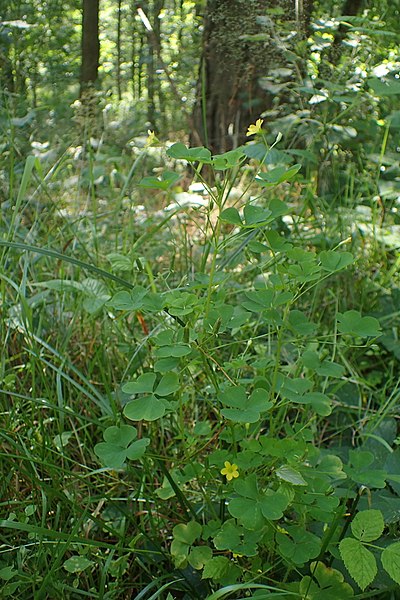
(199, 287)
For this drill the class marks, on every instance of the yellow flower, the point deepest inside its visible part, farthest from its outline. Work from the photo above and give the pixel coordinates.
(151, 138)
(230, 471)
(253, 129)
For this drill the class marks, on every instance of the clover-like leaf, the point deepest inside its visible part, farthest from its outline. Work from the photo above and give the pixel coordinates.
(277, 175)
(119, 444)
(326, 368)
(181, 152)
(298, 544)
(231, 215)
(147, 408)
(199, 556)
(300, 324)
(241, 408)
(167, 179)
(252, 508)
(255, 215)
(168, 385)
(228, 160)
(332, 260)
(351, 322)
(359, 470)
(132, 300)
(144, 384)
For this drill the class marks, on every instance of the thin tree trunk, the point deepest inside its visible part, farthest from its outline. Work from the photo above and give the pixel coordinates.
(90, 43)
(119, 23)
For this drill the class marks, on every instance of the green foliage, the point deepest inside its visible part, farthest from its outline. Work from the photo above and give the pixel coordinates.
(247, 327)
(368, 526)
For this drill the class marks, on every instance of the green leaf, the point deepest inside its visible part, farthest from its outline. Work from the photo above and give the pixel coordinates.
(198, 556)
(352, 323)
(290, 475)
(177, 350)
(187, 533)
(273, 504)
(228, 160)
(120, 262)
(298, 544)
(147, 408)
(300, 323)
(320, 403)
(359, 561)
(181, 152)
(325, 368)
(122, 435)
(255, 215)
(277, 175)
(216, 568)
(167, 179)
(368, 525)
(243, 409)
(111, 456)
(234, 537)
(331, 585)
(137, 449)
(332, 260)
(128, 300)
(391, 561)
(276, 242)
(360, 470)
(144, 384)
(7, 573)
(384, 88)
(168, 385)
(77, 564)
(253, 507)
(163, 365)
(231, 215)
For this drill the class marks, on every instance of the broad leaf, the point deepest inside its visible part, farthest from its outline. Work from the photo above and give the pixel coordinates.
(290, 475)
(391, 561)
(368, 525)
(359, 561)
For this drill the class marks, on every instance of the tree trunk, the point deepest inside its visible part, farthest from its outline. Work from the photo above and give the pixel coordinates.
(90, 43)
(239, 47)
(118, 65)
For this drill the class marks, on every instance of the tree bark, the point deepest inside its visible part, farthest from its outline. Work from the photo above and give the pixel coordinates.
(90, 43)
(239, 47)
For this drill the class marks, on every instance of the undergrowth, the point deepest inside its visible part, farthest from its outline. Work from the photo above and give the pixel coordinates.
(199, 391)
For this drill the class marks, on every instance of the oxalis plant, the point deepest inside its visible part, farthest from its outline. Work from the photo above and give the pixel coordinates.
(240, 376)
